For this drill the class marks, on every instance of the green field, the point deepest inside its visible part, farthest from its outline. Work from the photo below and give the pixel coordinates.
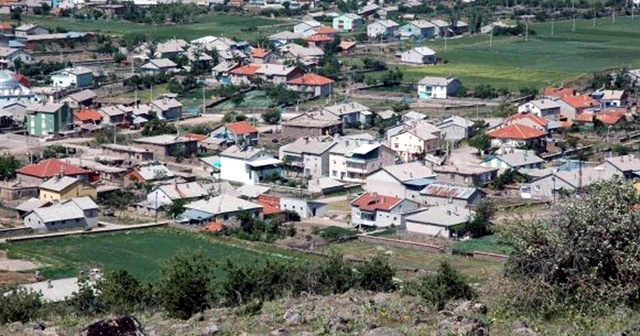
(142, 252)
(543, 60)
(217, 25)
(252, 99)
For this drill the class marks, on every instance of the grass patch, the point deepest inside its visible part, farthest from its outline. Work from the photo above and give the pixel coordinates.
(491, 243)
(476, 270)
(141, 252)
(217, 25)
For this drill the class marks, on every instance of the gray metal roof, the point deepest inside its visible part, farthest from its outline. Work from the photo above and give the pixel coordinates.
(307, 145)
(252, 191)
(346, 108)
(448, 191)
(436, 81)
(58, 183)
(444, 215)
(625, 163)
(31, 204)
(409, 171)
(222, 204)
(153, 171)
(517, 159)
(183, 190)
(164, 139)
(59, 212)
(84, 203)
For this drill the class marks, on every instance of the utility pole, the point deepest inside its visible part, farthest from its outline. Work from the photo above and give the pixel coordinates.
(613, 14)
(445, 41)
(204, 101)
(574, 23)
(552, 24)
(115, 133)
(491, 38)
(526, 31)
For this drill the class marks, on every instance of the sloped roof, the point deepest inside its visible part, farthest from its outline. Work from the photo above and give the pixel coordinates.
(444, 215)
(260, 52)
(50, 168)
(625, 162)
(325, 30)
(580, 102)
(374, 202)
(58, 184)
(520, 158)
(222, 204)
(516, 132)
(250, 69)
(150, 172)
(311, 80)
(88, 115)
(241, 127)
(59, 213)
(183, 190)
(271, 204)
(31, 204)
(448, 191)
(534, 118)
(409, 171)
(558, 92)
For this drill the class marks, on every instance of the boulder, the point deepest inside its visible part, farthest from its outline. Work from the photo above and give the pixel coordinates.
(462, 326)
(524, 332)
(16, 326)
(209, 330)
(198, 317)
(294, 318)
(471, 307)
(338, 323)
(118, 326)
(279, 332)
(383, 331)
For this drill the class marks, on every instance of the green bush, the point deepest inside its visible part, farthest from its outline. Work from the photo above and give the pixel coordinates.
(20, 305)
(185, 287)
(121, 293)
(446, 284)
(85, 300)
(376, 275)
(336, 232)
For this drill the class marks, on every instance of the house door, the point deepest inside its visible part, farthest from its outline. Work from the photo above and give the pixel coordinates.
(313, 212)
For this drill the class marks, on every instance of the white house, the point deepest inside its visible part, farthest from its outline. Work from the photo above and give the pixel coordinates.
(351, 160)
(160, 65)
(248, 165)
(456, 128)
(352, 114)
(78, 77)
(382, 28)
(76, 213)
(223, 208)
(438, 221)
(9, 55)
(168, 193)
(402, 181)
(438, 87)
(545, 108)
(420, 55)
(308, 155)
(373, 209)
(514, 160)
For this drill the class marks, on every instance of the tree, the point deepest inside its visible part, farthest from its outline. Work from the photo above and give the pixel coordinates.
(481, 141)
(480, 224)
(9, 164)
(233, 117)
(237, 99)
(185, 287)
(377, 275)
(583, 257)
(16, 14)
(118, 57)
(175, 208)
(272, 116)
(20, 305)
(446, 284)
(84, 301)
(120, 292)
(158, 127)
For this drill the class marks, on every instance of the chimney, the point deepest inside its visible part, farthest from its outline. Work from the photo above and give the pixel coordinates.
(448, 212)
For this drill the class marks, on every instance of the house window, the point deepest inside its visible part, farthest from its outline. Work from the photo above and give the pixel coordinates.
(452, 177)
(395, 145)
(334, 173)
(225, 217)
(538, 187)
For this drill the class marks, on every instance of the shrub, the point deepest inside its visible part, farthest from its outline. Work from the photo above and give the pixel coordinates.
(184, 288)
(446, 284)
(120, 292)
(20, 305)
(336, 232)
(85, 301)
(376, 275)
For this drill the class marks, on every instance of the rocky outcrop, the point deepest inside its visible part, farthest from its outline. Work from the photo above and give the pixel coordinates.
(117, 326)
(462, 326)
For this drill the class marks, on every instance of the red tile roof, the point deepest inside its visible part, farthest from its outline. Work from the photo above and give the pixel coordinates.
(325, 30)
(270, 204)
(318, 38)
(241, 127)
(607, 118)
(50, 168)
(516, 132)
(534, 118)
(22, 79)
(213, 227)
(558, 92)
(195, 136)
(260, 52)
(246, 70)
(580, 102)
(88, 115)
(373, 202)
(346, 45)
(310, 79)
(5, 26)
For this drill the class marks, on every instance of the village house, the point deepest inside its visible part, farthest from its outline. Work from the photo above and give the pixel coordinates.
(166, 145)
(166, 194)
(324, 186)
(456, 128)
(262, 56)
(554, 183)
(465, 175)
(368, 9)
(9, 55)
(240, 133)
(170, 48)
(78, 77)
(297, 53)
(129, 153)
(312, 124)
(622, 167)
(304, 208)
(305, 26)
(417, 30)
(318, 40)
(80, 99)
(415, 141)
(439, 221)
(347, 47)
(116, 114)
(438, 87)
(377, 210)
(88, 116)
(553, 92)
(517, 136)
(158, 66)
(222, 71)
(443, 194)
(282, 38)
(571, 106)
(545, 108)
(149, 173)
(167, 108)
(42, 171)
(383, 28)
(60, 188)
(611, 98)
(309, 157)
(98, 171)
(222, 209)
(248, 165)
(515, 159)
(278, 74)
(315, 85)
(6, 28)
(251, 191)
(352, 114)
(348, 22)
(419, 55)
(610, 118)
(25, 30)
(533, 121)
(242, 75)
(26, 207)
(351, 160)
(44, 119)
(402, 181)
(16, 189)
(76, 213)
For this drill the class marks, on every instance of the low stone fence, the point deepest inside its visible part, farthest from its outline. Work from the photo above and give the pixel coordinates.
(86, 232)
(12, 232)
